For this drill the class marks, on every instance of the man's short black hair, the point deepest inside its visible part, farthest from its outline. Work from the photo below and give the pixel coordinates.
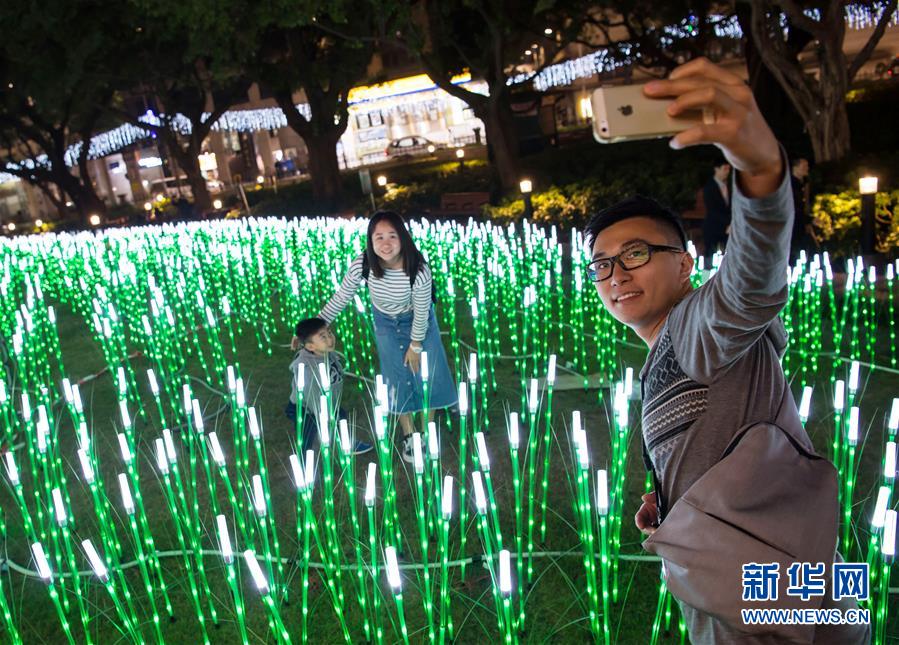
(720, 161)
(307, 328)
(636, 206)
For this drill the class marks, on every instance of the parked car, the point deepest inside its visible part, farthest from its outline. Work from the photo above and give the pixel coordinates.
(411, 146)
(172, 187)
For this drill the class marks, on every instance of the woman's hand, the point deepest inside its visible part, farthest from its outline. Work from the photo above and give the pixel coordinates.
(737, 127)
(413, 359)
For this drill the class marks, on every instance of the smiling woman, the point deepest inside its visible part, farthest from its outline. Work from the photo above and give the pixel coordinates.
(400, 284)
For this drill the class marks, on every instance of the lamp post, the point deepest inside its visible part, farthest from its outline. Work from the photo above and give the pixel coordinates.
(526, 188)
(460, 155)
(867, 186)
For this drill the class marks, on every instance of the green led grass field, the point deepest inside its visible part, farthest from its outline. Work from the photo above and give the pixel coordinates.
(147, 454)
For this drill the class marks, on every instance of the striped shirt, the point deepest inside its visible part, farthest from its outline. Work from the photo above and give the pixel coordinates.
(390, 294)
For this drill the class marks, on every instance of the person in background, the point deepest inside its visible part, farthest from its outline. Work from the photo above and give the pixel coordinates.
(716, 224)
(314, 343)
(803, 233)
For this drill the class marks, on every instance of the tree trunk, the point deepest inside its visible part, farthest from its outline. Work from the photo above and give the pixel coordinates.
(188, 160)
(829, 131)
(502, 139)
(324, 169)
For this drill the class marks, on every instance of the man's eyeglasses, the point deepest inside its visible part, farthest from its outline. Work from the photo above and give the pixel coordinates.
(632, 257)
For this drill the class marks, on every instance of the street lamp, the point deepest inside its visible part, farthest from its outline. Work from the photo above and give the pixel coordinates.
(382, 180)
(260, 180)
(526, 188)
(460, 155)
(867, 186)
(94, 220)
(217, 204)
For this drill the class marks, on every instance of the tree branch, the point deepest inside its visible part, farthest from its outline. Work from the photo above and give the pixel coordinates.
(862, 57)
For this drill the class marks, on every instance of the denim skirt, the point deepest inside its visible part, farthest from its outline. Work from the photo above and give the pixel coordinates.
(404, 389)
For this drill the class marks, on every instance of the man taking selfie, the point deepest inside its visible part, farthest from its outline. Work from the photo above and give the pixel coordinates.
(714, 392)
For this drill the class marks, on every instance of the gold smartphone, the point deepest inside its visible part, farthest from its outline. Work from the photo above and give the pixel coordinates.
(624, 113)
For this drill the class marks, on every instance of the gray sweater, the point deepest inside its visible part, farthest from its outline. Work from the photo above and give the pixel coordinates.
(312, 388)
(715, 365)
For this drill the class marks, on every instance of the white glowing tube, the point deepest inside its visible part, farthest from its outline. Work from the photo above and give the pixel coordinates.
(602, 492)
(806, 403)
(216, 449)
(852, 433)
(162, 462)
(59, 507)
(888, 549)
(839, 396)
(446, 501)
(230, 377)
(126, 416)
(380, 429)
(505, 573)
(154, 385)
(418, 461)
(127, 499)
(880, 508)
(463, 399)
(123, 384)
(186, 398)
(301, 377)
(344, 434)
(370, 484)
(474, 308)
(76, 394)
(66, 391)
(42, 429)
(324, 377)
(127, 457)
(324, 433)
(514, 431)
(240, 397)
(628, 382)
(893, 423)
(575, 421)
(853, 377)
(96, 562)
(393, 569)
(224, 539)
(533, 399)
(424, 367)
(472, 368)
(433, 441)
(309, 468)
(298, 477)
(480, 499)
(551, 370)
(483, 457)
(258, 496)
(11, 470)
(40, 560)
(198, 415)
(86, 468)
(381, 391)
(83, 438)
(889, 461)
(253, 422)
(169, 446)
(255, 571)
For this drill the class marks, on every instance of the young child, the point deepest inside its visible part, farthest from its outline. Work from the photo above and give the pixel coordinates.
(315, 342)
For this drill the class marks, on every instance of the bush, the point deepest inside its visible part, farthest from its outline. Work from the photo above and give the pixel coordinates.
(836, 218)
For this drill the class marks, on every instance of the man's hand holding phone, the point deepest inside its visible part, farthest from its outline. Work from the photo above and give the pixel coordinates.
(738, 127)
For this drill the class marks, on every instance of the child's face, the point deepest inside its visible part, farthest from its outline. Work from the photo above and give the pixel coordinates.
(322, 341)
